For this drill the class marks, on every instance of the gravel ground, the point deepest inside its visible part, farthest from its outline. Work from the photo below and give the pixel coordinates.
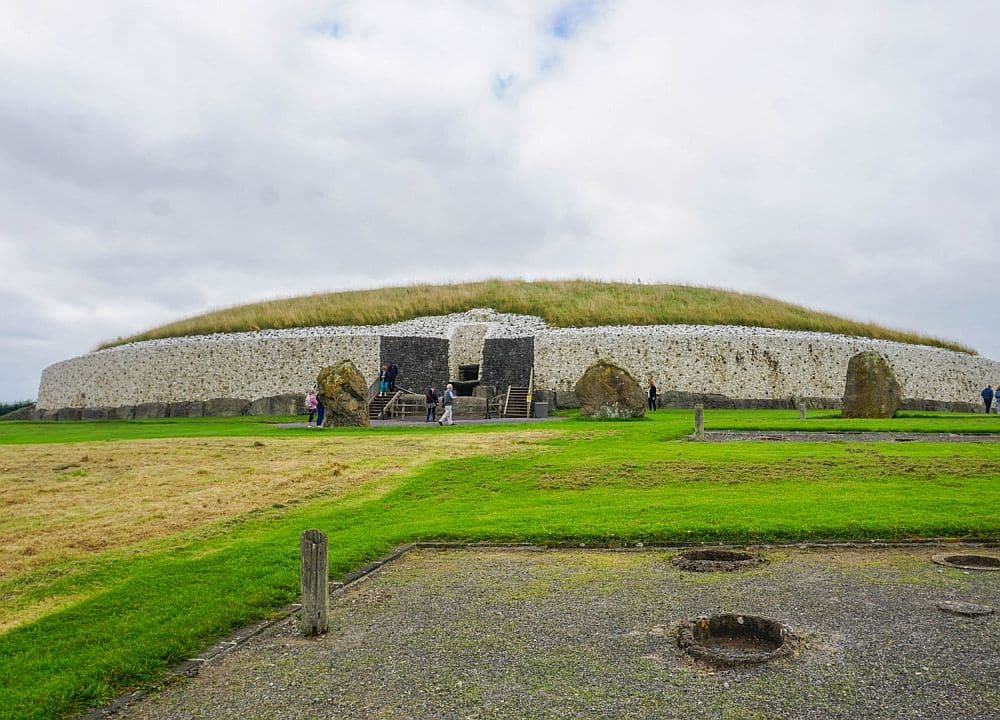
(590, 634)
(810, 436)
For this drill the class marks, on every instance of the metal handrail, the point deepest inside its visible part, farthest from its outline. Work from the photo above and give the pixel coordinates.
(506, 402)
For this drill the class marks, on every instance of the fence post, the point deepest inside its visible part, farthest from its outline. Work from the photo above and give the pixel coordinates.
(315, 574)
(699, 422)
(802, 411)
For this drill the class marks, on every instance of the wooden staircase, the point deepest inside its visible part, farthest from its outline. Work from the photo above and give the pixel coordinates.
(518, 403)
(378, 403)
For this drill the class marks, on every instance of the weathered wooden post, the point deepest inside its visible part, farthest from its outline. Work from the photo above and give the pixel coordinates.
(802, 411)
(315, 572)
(699, 422)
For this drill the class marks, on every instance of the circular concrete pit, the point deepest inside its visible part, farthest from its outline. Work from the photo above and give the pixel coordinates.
(726, 640)
(967, 561)
(716, 560)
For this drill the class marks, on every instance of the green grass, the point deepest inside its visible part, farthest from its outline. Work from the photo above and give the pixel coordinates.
(594, 482)
(568, 303)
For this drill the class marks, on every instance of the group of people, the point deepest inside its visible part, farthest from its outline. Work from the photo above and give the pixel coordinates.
(432, 400)
(991, 398)
(387, 378)
(386, 385)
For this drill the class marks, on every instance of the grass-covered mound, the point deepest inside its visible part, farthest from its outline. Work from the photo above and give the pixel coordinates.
(561, 303)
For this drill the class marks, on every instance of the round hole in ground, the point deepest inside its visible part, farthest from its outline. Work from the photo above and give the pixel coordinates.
(730, 639)
(967, 561)
(715, 559)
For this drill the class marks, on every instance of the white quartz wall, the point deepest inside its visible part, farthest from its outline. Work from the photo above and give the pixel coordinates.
(465, 346)
(753, 363)
(242, 365)
(745, 363)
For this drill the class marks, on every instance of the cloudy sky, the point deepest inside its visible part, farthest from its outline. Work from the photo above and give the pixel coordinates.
(162, 159)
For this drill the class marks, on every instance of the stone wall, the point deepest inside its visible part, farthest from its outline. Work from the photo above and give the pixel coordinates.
(752, 367)
(242, 365)
(753, 363)
(466, 347)
(422, 361)
(507, 361)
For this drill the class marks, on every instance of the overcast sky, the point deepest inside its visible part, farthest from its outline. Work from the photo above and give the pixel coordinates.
(160, 159)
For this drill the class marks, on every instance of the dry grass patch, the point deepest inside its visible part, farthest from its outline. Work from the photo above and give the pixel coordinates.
(61, 502)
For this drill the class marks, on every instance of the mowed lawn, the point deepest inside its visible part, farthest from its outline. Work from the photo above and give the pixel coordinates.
(128, 547)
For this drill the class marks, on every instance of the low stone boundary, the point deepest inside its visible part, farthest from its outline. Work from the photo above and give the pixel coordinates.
(820, 436)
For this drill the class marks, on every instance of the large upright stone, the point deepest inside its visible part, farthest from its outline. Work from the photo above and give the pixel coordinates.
(871, 390)
(342, 391)
(608, 391)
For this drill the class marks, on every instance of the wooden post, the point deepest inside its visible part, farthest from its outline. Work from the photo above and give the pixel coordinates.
(315, 574)
(699, 422)
(802, 411)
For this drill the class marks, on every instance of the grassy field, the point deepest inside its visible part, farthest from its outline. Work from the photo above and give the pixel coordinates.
(127, 547)
(568, 303)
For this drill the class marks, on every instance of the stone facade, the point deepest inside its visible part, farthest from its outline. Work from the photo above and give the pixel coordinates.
(748, 367)
(422, 361)
(753, 363)
(507, 361)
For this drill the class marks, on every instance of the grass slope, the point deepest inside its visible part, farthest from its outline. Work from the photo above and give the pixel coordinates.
(119, 617)
(568, 303)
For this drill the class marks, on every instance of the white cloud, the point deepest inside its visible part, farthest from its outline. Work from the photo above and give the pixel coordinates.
(158, 160)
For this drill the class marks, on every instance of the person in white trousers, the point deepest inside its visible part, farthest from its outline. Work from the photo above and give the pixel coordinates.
(449, 397)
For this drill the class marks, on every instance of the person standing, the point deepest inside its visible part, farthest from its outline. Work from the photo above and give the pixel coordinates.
(320, 412)
(383, 382)
(390, 376)
(432, 402)
(988, 397)
(449, 398)
(311, 404)
(651, 393)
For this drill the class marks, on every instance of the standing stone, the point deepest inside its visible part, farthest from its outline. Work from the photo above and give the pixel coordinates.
(342, 391)
(871, 390)
(608, 391)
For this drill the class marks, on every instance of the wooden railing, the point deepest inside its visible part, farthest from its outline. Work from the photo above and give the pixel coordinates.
(387, 410)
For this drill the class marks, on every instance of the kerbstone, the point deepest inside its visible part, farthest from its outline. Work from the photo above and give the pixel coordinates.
(342, 391)
(607, 391)
(871, 389)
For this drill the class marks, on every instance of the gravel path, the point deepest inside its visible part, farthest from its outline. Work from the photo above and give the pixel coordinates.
(589, 634)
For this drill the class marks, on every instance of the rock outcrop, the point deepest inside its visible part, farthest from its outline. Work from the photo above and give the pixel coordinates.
(342, 391)
(871, 389)
(607, 391)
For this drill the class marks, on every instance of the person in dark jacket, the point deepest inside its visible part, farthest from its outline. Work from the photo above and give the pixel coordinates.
(988, 398)
(390, 376)
(651, 394)
(432, 402)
